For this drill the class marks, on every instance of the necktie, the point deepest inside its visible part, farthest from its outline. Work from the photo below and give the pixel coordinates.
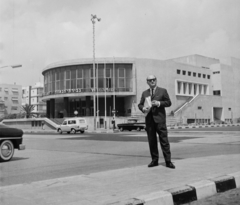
(152, 91)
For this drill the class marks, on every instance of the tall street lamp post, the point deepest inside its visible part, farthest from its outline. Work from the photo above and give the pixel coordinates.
(93, 19)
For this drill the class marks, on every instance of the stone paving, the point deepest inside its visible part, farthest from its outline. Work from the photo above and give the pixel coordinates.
(118, 186)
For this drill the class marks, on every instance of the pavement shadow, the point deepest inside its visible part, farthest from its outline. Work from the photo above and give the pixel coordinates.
(124, 138)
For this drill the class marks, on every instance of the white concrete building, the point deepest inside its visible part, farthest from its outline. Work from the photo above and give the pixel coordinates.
(201, 89)
(10, 99)
(32, 95)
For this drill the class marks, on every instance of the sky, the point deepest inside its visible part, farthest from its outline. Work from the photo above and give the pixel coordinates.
(36, 33)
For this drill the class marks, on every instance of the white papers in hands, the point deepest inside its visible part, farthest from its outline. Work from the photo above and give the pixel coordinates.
(147, 105)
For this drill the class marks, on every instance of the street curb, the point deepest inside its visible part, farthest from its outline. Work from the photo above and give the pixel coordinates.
(189, 192)
(202, 126)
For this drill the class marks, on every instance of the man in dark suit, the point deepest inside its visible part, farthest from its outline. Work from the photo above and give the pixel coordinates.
(156, 120)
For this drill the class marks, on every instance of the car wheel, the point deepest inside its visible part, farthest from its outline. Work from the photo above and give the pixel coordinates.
(138, 129)
(82, 131)
(59, 131)
(6, 150)
(121, 129)
(73, 131)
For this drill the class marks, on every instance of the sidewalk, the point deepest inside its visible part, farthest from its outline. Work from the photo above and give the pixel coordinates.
(138, 185)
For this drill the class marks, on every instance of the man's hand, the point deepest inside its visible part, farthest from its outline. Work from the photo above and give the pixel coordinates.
(145, 109)
(156, 103)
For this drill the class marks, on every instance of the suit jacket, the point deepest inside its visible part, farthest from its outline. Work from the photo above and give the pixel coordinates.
(158, 113)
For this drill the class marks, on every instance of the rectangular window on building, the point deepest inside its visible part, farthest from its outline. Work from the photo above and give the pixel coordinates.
(100, 74)
(62, 72)
(189, 73)
(80, 78)
(184, 72)
(216, 92)
(194, 74)
(199, 108)
(229, 109)
(199, 75)
(178, 71)
(15, 91)
(121, 77)
(208, 76)
(204, 76)
(108, 78)
(14, 108)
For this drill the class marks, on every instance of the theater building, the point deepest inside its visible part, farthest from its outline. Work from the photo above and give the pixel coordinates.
(201, 89)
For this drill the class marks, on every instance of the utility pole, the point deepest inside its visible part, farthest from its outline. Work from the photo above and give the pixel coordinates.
(93, 19)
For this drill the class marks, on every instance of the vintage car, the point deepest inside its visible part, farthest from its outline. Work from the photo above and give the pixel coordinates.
(73, 125)
(10, 139)
(132, 124)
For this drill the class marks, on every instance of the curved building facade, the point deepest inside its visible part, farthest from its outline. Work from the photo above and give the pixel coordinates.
(201, 88)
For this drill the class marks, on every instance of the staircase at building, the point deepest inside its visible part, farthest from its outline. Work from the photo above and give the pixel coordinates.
(185, 105)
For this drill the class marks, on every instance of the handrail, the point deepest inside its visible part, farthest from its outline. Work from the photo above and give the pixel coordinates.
(185, 104)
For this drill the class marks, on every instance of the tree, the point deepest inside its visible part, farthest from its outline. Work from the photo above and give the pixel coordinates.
(28, 109)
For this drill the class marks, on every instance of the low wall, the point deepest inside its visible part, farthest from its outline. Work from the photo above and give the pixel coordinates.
(28, 124)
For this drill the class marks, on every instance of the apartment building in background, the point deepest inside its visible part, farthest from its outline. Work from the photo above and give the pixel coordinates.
(10, 99)
(32, 95)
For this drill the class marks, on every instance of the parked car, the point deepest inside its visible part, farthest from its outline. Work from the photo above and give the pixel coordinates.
(73, 125)
(132, 124)
(10, 139)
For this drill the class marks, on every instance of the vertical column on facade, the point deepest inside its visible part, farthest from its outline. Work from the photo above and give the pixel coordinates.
(66, 106)
(52, 108)
(48, 108)
(181, 87)
(191, 89)
(201, 90)
(207, 89)
(197, 89)
(88, 105)
(187, 88)
(177, 91)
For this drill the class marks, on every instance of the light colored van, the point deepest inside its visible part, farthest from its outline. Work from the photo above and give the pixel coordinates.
(73, 125)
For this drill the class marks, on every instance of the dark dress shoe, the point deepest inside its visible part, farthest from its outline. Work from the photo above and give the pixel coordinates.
(170, 165)
(153, 164)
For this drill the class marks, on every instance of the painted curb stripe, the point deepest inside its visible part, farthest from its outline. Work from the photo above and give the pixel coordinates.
(183, 195)
(224, 183)
(187, 194)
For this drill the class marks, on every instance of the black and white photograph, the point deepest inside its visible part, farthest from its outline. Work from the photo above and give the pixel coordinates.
(120, 102)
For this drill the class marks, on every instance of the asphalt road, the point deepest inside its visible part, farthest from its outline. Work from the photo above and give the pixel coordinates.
(54, 156)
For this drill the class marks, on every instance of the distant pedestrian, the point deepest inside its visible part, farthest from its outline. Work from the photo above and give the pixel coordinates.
(152, 104)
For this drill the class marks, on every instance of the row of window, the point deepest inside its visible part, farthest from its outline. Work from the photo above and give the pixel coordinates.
(82, 78)
(216, 72)
(187, 88)
(6, 90)
(194, 74)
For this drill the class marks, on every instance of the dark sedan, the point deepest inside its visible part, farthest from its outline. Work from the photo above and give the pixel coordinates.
(132, 124)
(10, 139)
